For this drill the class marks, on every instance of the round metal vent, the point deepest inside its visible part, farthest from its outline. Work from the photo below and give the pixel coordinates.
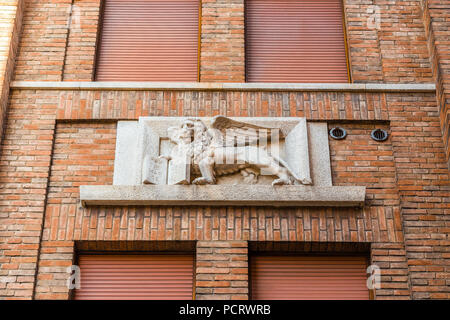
(379, 135)
(338, 133)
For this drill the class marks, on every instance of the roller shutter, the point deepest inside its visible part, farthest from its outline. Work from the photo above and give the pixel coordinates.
(137, 277)
(308, 278)
(149, 40)
(295, 41)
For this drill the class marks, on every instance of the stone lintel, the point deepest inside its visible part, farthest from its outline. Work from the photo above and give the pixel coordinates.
(223, 195)
(232, 86)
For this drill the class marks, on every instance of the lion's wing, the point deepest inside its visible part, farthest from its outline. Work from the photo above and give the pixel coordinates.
(235, 133)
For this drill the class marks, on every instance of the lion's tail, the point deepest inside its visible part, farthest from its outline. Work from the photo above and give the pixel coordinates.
(291, 172)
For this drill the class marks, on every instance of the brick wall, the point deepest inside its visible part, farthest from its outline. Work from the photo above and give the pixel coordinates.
(11, 12)
(222, 270)
(363, 42)
(59, 40)
(387, 41)
(84, 105)
(25, 166)
(423, 181)
(404, 52)
(82, 39)
(43, 42)
(222, 41)
(436, 17)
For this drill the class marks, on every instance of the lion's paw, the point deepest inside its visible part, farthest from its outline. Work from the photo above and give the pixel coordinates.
(202, 181)
(280, 182)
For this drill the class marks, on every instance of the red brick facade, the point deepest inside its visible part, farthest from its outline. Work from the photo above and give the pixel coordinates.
(11, 12)
(56, 140)
(436, 17)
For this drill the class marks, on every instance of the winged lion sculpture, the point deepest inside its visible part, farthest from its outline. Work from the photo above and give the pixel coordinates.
(228, 147)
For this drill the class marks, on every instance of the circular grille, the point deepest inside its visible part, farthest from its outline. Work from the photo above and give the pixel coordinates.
(338, 133)
(379, 135)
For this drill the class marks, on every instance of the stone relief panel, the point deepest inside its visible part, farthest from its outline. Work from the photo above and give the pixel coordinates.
(222, 150)
(222, 161)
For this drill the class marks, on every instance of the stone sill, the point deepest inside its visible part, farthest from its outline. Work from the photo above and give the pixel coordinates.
(204, 86)
(223, 195)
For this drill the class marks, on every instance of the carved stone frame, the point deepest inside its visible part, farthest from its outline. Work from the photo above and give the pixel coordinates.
(306, 150)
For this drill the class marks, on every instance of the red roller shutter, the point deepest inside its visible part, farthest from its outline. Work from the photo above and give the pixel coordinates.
(295, 41)
(137, 277)
(149, 40)
(308, 278)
